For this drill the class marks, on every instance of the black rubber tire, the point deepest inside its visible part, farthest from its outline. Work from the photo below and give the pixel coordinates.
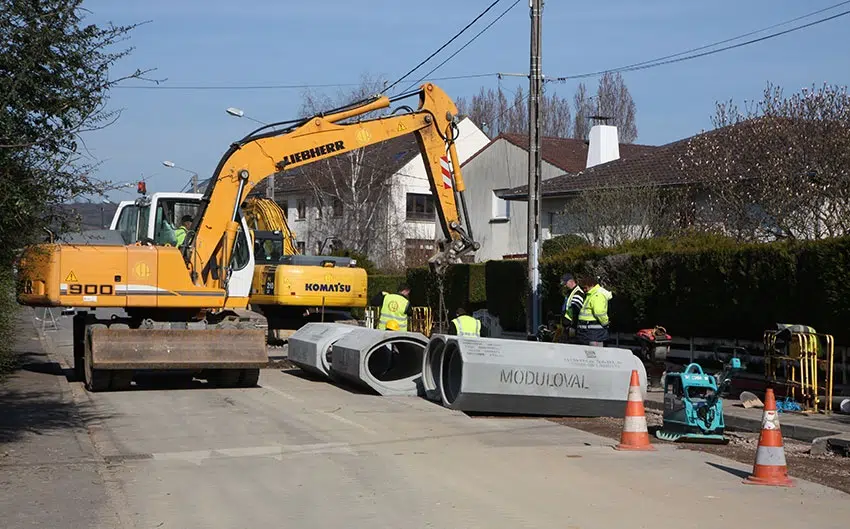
(79, 344)
(121, 380)
(225, 378)
(98, 380)
(249, 378)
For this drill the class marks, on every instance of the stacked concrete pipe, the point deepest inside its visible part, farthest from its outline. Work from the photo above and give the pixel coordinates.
(309, 348)
(388, 362)
(431, 367)
(489, 375)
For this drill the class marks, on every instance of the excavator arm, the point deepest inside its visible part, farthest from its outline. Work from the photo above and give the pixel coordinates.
(252, 159)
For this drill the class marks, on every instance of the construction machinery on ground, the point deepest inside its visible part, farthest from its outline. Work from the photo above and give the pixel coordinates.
(693, 404)
(287, 288)
(186, 306)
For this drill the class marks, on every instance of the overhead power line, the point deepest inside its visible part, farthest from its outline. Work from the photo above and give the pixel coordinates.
(441, 48)
(450, 57)
(682, 56)
(282, 87)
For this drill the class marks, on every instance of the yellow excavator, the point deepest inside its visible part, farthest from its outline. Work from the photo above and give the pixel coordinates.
(184, 305)
(288, 289)
(291, 289)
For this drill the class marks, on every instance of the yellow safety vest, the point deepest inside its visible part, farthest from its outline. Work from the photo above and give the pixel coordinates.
(180, 233)
(594, 312)
(467, 326)
(394, 308)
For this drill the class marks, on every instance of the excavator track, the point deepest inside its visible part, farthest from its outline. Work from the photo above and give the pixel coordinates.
(109, 352)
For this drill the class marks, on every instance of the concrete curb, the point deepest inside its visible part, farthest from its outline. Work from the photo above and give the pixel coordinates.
(797, 432)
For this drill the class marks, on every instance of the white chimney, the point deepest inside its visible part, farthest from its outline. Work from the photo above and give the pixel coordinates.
(604, 145)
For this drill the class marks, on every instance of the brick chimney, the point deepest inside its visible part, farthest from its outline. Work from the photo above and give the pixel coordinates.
(604, 145)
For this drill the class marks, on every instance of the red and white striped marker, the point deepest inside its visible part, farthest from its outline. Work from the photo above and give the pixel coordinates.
(635, 434)
(770, 467)
(447, 172)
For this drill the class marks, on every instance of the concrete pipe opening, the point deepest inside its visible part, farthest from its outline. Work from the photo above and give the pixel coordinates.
(451, 373)
(431, 367)
(395, 360)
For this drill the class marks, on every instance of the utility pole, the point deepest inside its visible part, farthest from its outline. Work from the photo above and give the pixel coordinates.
(535, 161)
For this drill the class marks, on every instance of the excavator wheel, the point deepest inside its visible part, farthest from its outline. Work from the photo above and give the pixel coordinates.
(95, 379)
(225, 378)
(249, 378)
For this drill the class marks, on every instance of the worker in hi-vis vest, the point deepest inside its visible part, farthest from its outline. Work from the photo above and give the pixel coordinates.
(394, 307)
(593, 321)
(465, 325)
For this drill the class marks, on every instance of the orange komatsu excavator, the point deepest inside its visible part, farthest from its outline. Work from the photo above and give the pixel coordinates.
(183, 305)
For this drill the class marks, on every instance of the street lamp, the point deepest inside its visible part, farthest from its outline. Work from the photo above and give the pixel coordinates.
(172, 165)
(239, 113)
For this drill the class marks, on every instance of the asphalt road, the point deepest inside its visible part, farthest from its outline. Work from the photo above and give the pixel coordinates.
(304, 454)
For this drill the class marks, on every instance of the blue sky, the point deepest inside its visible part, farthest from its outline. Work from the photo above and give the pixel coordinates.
(273, 42)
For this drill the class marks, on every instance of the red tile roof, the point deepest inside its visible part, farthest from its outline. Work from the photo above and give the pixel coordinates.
(567, 154)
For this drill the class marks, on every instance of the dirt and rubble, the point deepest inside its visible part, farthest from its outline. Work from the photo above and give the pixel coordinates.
(830, 470)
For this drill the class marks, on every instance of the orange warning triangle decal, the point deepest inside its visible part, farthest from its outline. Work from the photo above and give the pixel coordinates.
(72, 277)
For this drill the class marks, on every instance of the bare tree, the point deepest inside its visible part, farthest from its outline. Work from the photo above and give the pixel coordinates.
(609, 217)
(583, 109)
(353, 191)
(779, 169)
(615, 102)
(492, 111)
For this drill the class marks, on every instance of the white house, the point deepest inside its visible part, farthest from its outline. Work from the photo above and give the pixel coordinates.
(500, 171)
(392, 219)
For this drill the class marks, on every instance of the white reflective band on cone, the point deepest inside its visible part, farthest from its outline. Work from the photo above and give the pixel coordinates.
(635, 394)
(770, 456)
(635, 424)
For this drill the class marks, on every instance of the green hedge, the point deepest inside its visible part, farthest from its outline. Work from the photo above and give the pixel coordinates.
(8, 308)
(506, 292)
(383, 283)
(715, 288)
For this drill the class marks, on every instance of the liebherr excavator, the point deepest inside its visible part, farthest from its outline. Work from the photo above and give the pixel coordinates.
(183, 305)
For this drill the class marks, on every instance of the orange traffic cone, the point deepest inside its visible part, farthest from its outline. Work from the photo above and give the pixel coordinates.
(635, 434)
(770, 467)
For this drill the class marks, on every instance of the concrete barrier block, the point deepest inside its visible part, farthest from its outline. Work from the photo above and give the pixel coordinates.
(309, 347)
(535, 378)
(388, 362)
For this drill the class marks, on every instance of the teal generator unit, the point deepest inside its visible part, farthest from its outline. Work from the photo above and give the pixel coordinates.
(693, 409)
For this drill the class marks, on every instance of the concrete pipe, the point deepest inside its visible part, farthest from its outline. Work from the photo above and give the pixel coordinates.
(309, 348)
(388, 362)
(431, 367)
(536, 378)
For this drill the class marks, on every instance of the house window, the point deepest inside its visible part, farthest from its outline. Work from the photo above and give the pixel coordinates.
(301, 207)
(417, 251)
(337, 207)
(501, 207)
(420, 207)
(302, 247)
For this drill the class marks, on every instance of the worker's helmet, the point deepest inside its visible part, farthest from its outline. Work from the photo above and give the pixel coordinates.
(392, 325)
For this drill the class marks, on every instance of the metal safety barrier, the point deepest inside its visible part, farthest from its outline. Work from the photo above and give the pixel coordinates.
(803, 364)
(529, 378)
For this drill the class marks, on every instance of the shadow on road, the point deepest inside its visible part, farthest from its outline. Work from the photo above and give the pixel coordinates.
(734, 471)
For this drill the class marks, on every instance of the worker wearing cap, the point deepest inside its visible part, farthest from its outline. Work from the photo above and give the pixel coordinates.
(593, 321)
(465, 325)
(394, 307)
(572, 306)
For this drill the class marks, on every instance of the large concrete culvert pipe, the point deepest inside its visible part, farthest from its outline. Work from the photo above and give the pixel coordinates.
(309, 348)
(431, 367)
(388, 362)
(488, 375)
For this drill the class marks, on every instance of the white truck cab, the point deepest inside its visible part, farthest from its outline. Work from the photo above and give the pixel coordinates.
(156, 217)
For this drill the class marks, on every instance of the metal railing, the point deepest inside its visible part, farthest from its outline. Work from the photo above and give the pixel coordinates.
(803, 365)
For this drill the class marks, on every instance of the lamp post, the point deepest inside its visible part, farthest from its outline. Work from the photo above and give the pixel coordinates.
(239, 113)
(172, 165)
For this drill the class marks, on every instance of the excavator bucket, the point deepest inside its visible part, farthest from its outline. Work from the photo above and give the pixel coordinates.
(178, 349)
